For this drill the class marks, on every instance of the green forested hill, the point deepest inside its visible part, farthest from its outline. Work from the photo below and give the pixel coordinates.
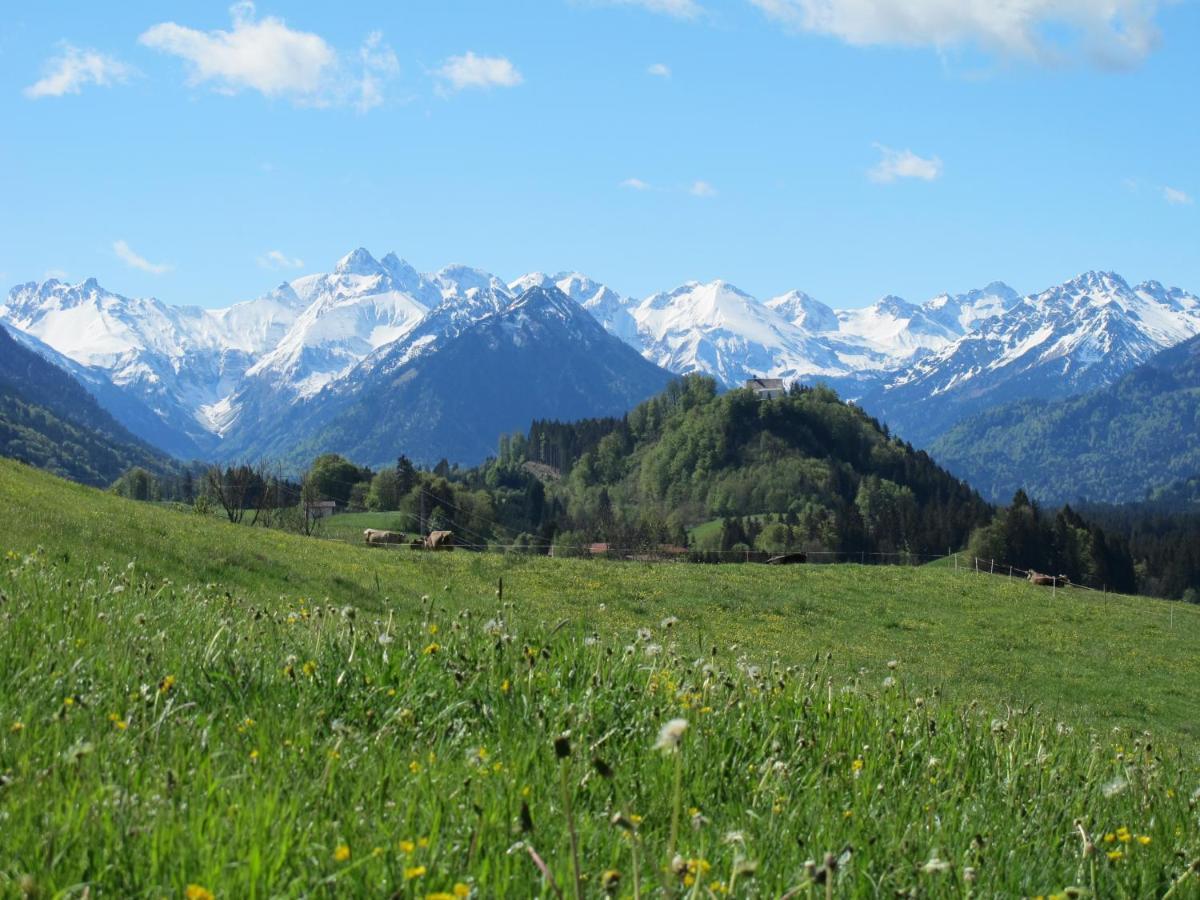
(1117, 444)
(833, 477)
(49, 420)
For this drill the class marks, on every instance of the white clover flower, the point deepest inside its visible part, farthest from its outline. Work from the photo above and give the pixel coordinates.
(671, 735)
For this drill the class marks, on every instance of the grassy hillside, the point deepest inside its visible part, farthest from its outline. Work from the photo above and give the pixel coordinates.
(1097, 661)
(193, 706)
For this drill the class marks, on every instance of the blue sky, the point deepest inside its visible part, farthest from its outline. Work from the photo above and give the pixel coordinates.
(202, 153)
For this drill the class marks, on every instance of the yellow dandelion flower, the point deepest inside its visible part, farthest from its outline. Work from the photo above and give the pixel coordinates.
(309, 668)
(1143, 839)
(431, 649)
(439, 895)
(847, 814)
(414, 767)
(461, 890)
(196, 892)
(166, 684)
(856, 765)
(1115, 855)
(635, 818)
(413, 872)
(68, 701)
(253, 756)
(342, 853)
(504, 686)
(16, 727)
(407, 846)
(423, 843)
(433, 629)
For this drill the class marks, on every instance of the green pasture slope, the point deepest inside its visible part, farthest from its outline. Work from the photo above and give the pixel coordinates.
(184, 702)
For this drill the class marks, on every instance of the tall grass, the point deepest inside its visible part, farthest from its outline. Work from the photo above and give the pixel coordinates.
(156, 736)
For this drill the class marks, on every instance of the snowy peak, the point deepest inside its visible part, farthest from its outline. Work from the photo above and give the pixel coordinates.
(358, 262)
(804, 312)
(896, 328)
(963, 312)
(460, 281)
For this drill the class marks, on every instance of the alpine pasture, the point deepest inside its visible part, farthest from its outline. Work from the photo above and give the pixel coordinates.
(192, 708)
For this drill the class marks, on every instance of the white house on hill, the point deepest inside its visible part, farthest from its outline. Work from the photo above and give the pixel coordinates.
(767, 388)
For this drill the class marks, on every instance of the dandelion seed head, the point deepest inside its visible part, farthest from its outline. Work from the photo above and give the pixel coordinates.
(670, 736)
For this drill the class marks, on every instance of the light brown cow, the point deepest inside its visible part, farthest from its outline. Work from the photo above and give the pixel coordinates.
(440, 540)
(377, 536)
(1047, 580)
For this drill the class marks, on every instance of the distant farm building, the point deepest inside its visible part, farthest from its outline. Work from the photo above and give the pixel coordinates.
(323, 509)
(767, 388)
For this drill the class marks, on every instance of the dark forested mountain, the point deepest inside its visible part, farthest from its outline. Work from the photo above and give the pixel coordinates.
(456, 381)
(1116, 444)
(48, 420)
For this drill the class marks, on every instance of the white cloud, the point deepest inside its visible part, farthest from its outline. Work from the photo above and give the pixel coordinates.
(702, 189)
(133, 260)
(56, 274)
(895, 164)
(471, 71)
(680, 9)
(1176, 197)
(68, 72)
(264, 55)
(379, 64)
(1112, 33)
(635, 184)
(659, 70)
(277, 259)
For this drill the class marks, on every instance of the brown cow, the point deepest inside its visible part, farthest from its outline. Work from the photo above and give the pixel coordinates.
(1047, 580)
(440, 540)
(377, 536)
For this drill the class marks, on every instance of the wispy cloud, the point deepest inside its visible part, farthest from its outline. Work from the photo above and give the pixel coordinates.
(1176, 197)
(680, 9)
(896, 164)
(702, 189)
(635, 184)
(277, 259)
(379, 64)
(659, 70)
(472, 71)
(134, 260)
(1110, 33)
(75, 68)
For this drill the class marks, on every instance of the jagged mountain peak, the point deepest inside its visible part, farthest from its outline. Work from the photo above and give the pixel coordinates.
(358, 262)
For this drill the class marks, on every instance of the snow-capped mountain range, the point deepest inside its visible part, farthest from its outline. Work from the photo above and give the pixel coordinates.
(197, 382)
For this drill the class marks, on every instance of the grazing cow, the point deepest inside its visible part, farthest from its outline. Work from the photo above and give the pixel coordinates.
(788, 559)
(440, 540)
(1045, 580)
(377, 536)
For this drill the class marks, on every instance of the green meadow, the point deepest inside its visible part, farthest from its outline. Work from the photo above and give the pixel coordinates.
(193, 708)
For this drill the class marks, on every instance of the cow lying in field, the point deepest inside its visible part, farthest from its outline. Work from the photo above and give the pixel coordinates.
(440, 540)
(377, 536)
(1048, 580)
